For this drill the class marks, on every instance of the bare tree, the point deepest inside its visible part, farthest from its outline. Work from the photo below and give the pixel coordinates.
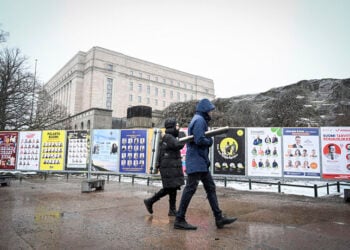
(48, 114)
(21, 106)
(15, 84)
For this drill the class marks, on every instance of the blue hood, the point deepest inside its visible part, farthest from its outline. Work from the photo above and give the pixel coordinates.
(204, 106)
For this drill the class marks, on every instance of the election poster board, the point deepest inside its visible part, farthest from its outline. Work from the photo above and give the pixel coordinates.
(105, 150)
(301, 152)
(8, 149)
(335, 151)
(150, 156)
(53, 150)
(184, 133)
(264, 152)
(133, 151)
(229, 152)
(28, 154)
(78, 149)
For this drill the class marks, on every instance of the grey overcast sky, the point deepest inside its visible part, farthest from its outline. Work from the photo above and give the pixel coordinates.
(245, 46)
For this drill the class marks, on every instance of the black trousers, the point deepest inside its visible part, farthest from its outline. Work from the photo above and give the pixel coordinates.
(190, 189)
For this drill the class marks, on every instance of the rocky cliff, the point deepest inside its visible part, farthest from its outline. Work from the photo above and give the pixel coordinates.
(322, 102)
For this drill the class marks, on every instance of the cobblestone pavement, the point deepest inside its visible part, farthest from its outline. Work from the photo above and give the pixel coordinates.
(55, 214)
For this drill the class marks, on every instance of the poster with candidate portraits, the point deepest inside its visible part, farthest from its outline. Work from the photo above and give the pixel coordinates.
(53, 146)
(78, 149)
(264, 152)
(133, 155)
(335, 151)
(8, 149)
(229, 152)
(301, 152)
(28, 154)
(105, 150)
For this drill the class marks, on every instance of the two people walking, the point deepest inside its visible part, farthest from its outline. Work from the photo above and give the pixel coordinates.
(197, 169)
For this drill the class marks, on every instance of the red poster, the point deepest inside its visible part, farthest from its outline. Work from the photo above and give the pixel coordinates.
(8, 147)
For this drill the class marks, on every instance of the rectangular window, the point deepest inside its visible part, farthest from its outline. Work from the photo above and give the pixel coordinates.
(140, 74)
(156, 78)
(156, 102)
(109, 92)
(156, 91)
(178, 96)
(164, 92)
(130, 98)
(148, 100)
(131, 72)
(164, 80)
(131, 86)
(148, 89)
(139, 99)
(110, 67)
(171, 94)
(140, 87)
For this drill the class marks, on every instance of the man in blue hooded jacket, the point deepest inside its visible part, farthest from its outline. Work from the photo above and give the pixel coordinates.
(197, 168)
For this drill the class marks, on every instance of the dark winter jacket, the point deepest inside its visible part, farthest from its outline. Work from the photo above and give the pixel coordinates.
(197, 154)
(170, 160)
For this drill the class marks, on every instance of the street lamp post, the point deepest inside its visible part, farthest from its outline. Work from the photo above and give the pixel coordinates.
(31, 113)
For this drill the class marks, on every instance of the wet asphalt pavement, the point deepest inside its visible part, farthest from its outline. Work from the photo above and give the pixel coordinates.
(55, 214)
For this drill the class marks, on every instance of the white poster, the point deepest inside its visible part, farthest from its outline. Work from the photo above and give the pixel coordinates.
(28, 155)
(335, 149)
(301, 150)
(264, 152)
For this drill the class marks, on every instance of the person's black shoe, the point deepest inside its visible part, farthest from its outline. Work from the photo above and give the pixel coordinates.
(183, 225)
(172, 212)
(224, 221)
(149, 205)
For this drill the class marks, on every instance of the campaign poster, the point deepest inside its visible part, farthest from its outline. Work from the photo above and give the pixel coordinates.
(28, 154)
(151, 149)
(53, 150)
(78, 149)
(229, 152)
(8, 148)
(183, 133)
(264, 149)
(105, 150)
(301, 152)
(133, 151)
(335, 151)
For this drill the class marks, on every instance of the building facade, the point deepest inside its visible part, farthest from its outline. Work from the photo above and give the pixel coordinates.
(105, 79)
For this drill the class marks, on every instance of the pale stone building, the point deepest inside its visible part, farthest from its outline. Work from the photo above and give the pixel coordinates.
(105, 79)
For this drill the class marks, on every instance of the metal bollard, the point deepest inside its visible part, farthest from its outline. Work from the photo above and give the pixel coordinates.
(315, 190)
(279, 187)
(338, 187)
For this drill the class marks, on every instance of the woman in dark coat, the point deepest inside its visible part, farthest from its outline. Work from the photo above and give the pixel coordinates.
(170, 166)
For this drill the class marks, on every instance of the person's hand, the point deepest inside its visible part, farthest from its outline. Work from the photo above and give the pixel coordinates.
(210, 141)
